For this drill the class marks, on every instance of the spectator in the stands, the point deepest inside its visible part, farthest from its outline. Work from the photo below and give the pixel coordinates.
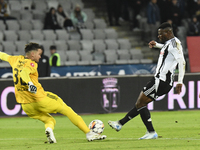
(54, 60)
(175, 13)
(194, 27)
(164, 8)
(190, 7)
(64, 19)
(78, 17)
(51, 21)
(44, 69)
(137, 5)
(5, 11)
(114, 11)
(197, 10)
(153, 18)
(174, 27)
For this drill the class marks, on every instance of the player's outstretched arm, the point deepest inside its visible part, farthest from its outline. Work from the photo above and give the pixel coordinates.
(4, 56)
(24, 74)
(155, 45)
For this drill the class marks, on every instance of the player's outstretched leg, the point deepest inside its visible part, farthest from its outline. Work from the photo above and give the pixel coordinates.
(91, 136)
(115, 125)
(149, 135)
(79, 122)
(50, 136)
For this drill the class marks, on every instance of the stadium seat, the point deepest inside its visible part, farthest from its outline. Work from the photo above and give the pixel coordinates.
(119, 61)
(111, 33)
(10, 35)
(111, 56)
(26, 4)
(8, 46)
(15, 5)
(62, 35)
(100, 24)
(26, 15)
(52, 3)
(25, 25)
(86, 34)
(99, 34)
(37, 35)
(124, 43)
(74, 45)
(13, 25)
(46, 44)
(146, 61)
(16, 14)
(72, 58)
(24, 35)
(98, 58)
(49, 35)
(87, 45)
(136, 54)
(1, 48)
(90, 14)
(75, 36)
(61, 45)
(99, 45)
(89, 24)
(63, 56)
(124, 54)
(37, 24)
(20, 45)
(4, 64)
(40, 5)
(85, 55)
(111, 44)
(83, 63)
(38, 15)
(134, 61)
(1, 36)
(2, 26)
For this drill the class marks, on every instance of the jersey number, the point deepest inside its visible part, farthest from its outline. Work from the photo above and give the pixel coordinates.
(17, 79)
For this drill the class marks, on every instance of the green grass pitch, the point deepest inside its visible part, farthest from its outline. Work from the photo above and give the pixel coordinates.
(177, 130)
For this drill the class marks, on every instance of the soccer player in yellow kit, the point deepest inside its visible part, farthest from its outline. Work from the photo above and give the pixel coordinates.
(36, 102)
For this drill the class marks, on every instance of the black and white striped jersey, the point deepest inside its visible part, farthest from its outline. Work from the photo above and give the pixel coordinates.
(171, 54)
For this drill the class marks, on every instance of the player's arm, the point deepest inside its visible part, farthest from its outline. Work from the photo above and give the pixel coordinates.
(178, 55)
(181, 68)
(155, 44)
(4, 56)
(24, 74)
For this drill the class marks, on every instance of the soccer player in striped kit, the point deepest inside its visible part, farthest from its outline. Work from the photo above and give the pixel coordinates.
(171, 55)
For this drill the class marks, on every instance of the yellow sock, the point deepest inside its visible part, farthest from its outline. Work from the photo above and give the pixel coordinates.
(75, 118)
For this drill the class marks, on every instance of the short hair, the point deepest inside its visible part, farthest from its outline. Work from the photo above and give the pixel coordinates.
(52, 47)
(165, 25)
(32, 47)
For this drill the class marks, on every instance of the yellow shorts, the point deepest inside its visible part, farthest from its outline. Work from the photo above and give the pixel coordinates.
(51, 104)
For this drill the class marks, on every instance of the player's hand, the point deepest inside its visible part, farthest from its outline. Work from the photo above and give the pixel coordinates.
(152, 44)
(32, 88)
(178, 88)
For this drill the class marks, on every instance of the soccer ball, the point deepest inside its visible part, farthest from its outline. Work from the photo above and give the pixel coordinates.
(96, 126)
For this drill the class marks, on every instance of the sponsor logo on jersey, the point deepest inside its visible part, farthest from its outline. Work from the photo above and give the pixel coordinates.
(32, 64)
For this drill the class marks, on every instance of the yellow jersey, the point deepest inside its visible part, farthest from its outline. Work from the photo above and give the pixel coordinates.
(21, 88)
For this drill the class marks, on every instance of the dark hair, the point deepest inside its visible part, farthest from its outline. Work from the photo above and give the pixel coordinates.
(52, 47)
(59, 6)
(165, 25)
(32, 47)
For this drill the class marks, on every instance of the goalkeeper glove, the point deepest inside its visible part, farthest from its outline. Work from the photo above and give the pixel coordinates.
(31, 87)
